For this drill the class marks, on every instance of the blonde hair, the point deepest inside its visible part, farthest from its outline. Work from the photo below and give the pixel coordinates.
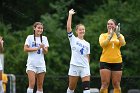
(79, 25)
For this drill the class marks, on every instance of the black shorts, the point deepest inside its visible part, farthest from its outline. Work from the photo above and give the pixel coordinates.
(111, 66)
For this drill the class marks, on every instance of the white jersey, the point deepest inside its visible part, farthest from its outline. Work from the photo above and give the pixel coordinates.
(80, 49)
(36, 58)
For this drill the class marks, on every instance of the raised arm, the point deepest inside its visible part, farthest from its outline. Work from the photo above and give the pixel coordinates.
(69, 21)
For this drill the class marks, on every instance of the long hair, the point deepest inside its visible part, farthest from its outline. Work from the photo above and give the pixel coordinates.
(34, 25)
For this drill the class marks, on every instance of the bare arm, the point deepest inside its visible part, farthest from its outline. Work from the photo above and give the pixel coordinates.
(28, 49)
(88, 58)
(45, 49)
(1, 45)
(69, 21)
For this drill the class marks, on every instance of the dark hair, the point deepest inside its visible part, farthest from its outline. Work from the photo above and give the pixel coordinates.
(34, 25)
(114, 21)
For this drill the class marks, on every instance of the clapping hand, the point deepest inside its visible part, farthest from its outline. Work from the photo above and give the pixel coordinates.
(118, 30)
(41, 45)
(110, 34)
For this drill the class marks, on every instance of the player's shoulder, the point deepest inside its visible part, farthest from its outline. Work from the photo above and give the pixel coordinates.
(87, 42)
(104, 34)
(29, 36)
(44, 37)
(122, 35)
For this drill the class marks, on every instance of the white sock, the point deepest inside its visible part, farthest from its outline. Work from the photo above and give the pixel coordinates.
(1, 87)
(70, 91)
(39, 91)
(29, 90)
(86, 91)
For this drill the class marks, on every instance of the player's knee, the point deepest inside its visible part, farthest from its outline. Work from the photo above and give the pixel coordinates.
(105, 85)
(86, 85)
(116, 84)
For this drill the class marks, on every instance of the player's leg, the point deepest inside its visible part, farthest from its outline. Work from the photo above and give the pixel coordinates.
(40, 79)
(86, 84)
(72, 83)
(105, 74)
(85, 75)
(116, 77)
(73, 78)
(31, 78)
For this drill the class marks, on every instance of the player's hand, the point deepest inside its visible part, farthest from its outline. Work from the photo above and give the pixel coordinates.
(118, 30)
(110, 34)
(71, 12)
(41, 45)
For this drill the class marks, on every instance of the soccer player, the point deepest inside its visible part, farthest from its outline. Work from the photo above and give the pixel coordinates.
(1, 50)
(79, 64)
(36, 45)
(111, 58)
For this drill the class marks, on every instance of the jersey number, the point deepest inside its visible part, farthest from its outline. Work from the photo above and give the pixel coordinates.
(81, 51)
(38, 51)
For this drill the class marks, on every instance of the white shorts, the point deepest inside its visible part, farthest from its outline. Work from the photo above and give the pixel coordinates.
(79, 71)
(36, 69)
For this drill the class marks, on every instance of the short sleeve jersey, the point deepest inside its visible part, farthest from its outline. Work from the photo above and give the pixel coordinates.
(79, 49)
(36, 58)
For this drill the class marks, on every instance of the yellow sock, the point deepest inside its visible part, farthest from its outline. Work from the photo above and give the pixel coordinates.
(104, 90)
(117, 90)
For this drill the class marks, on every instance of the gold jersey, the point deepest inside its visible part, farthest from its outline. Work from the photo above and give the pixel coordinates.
(111, 48)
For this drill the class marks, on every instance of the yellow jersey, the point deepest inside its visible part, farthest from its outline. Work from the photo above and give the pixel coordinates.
(111, 48)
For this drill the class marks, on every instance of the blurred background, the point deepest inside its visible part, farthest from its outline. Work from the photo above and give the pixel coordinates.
(18, 16)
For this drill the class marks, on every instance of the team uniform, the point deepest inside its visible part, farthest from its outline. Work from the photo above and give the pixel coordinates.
(111, 57)
(79, 63)
(35, 61)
